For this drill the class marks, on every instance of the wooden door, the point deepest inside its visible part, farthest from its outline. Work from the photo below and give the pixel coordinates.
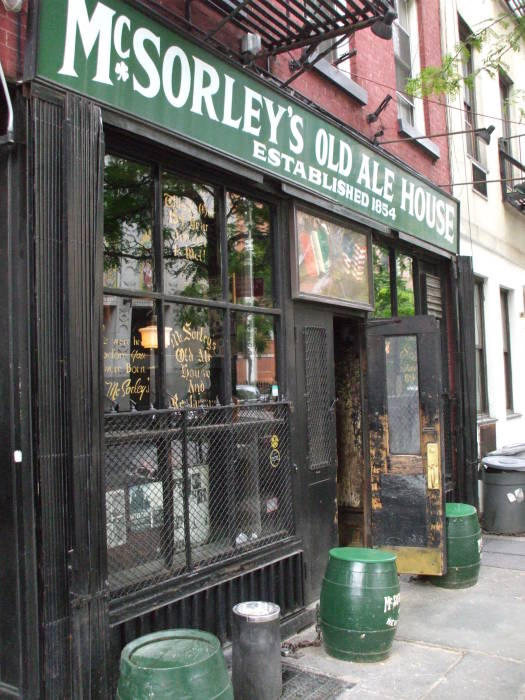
(405, 434)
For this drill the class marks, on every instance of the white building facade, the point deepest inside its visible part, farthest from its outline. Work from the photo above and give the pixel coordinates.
(492, 216)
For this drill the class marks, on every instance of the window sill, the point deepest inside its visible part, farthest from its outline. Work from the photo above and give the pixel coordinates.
(406, 129)
(341, 80)
(513, 416)
(486, 420)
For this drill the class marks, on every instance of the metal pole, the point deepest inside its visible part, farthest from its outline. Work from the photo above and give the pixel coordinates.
(256, 651)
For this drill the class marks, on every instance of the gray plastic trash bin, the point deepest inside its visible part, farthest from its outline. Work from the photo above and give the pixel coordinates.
(504, 490)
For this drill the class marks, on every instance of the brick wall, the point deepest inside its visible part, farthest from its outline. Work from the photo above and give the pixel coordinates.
(11, 24)
(373, 68)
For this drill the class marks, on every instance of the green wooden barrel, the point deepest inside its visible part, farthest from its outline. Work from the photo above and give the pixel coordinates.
(359, 604)
(174, 664)
(463, 547)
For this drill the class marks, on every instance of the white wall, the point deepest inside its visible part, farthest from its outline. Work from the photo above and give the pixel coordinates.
(492, 232)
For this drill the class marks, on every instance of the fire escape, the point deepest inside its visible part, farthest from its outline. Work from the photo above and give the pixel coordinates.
(252, 31)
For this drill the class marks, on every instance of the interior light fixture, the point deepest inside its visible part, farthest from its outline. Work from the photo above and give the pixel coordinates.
(149, 336)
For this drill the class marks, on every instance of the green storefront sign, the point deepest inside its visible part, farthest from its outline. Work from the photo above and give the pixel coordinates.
(120, 57)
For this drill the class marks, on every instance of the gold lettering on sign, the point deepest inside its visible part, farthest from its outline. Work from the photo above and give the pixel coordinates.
(127, 387)
(192, 350)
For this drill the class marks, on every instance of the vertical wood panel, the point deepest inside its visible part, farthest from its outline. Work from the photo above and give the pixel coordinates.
(50, 381)
(83, 171)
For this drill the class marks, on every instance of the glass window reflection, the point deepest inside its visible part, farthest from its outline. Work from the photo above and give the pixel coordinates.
(382, 292)
(405, 285)
(332, 259)
(253, 356)
(129, 365)
(402, 383)
(128, 223)
(249, 251)
(192, 255)
(194, 355)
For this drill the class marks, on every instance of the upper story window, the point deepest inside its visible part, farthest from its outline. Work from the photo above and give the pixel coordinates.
(404, 58)
(331, 57)
(479, 335)
(475, 149)
(507, 360)
(337, 49)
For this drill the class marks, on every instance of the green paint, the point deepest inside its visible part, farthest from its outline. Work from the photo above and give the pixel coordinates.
(361, 554)
(464, 543)
(122, 58)
(359, 605)
(174, 664)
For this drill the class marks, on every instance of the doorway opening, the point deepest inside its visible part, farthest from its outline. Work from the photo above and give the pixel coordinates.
(351, 464)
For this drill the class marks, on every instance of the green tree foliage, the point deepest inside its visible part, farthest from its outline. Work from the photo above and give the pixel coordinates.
(494, 40)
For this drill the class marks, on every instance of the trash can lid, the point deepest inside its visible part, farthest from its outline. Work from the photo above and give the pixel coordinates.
(257, 611)
(516, 449)
(504, 463)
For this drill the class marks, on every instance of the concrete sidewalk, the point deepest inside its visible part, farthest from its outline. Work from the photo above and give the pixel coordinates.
(450, 644)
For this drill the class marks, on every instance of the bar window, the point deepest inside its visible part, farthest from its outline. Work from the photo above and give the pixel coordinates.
(479, 335)
(128, 224)
(253, 356)
(332, 260)
(128, 358)
(405, 285)
(191, 240)
(193, 355)
(382, 282)
(507, 361)
(196, 457)
(249, 251)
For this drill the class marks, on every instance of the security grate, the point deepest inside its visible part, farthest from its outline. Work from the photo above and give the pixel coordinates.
(320, 419)
(188, 488)
(301, 685)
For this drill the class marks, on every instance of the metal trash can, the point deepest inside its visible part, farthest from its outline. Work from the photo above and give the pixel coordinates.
(503, 477)
(256, 651)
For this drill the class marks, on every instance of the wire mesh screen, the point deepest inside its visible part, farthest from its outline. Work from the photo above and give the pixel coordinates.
(188, 488)
(320, 417)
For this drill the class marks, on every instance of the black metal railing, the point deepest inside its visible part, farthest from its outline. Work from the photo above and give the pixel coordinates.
(512, 170)
(189, 488)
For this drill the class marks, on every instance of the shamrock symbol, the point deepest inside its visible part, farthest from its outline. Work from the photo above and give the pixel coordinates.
(121, 70)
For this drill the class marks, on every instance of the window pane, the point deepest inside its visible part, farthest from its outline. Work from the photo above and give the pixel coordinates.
(504, 320)
(129, 366)
(128, 220)
(382, 295)
(402, 394)
(478, 333)
(194, 356)
(405, 286)
(192, 255)
(253, 356)
(249, 251)
(480, 393)
(332, 259)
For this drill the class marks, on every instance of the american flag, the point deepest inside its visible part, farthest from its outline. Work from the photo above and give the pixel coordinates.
(358, 260)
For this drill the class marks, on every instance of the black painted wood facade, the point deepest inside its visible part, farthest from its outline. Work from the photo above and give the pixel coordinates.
(67, 634)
